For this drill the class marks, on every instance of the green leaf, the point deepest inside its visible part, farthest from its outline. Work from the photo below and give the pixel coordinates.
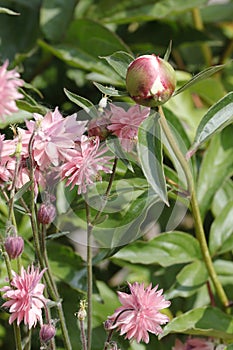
(124, 227)
(206, 73)
(76, 57)
(56, 14)
(137, 11)
(82, 102)
(216, 167)
(217, 117)
(119, 61)
(72, 270)
(189, 280)
(204, 321)
(168, 51)
(221, 231)
(150, 154)
(19, 194)
(222, 197)
(166, 249)
(8, 11)
(110, 91)
(224, 270)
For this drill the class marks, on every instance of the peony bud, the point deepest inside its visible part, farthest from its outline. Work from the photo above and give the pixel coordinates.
(150, 80)
(14, 246)
(47, 332)
(46, 213)
(98, 127)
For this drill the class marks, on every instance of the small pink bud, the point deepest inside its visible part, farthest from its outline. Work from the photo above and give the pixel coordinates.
(98, 127)
(14, 246)
(46, 213)
(47, 332)
(150, 80)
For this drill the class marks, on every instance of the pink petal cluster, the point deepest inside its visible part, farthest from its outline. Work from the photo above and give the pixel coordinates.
(25, 297)
(139, 313)
(55, 137)
(83, 169)
(194, 344)
(9, 83)
(124, 124)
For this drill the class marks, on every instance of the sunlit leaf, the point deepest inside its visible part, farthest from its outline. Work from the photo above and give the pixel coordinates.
(82, 102)
(204, 321)
(150, 154)
(217, 117)
(119, 61)
(166, 249)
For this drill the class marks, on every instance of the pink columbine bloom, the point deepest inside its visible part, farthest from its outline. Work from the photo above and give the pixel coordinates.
(83, 169)
(139, 313)
(194, 344)
(55, 137)
(124, 124)
(9, 83)
(25, 297)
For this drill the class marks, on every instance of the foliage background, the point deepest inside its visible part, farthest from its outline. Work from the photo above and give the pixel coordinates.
(60, 44)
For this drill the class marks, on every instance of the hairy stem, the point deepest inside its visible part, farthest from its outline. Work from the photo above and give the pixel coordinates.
(200, 234)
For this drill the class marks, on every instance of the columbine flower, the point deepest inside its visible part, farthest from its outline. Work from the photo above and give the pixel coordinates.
(83, 169)
(150, 80)
(25, 297)
(9, 83)
(124, 124)
(55, 137)
(139, 313)
(46, 213)
(194, 344)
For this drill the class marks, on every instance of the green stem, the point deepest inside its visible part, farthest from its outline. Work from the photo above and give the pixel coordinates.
(200, 234)
(198, 24)
(48, 277)
(89, 274)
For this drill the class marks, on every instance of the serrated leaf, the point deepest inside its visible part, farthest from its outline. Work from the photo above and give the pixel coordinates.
(166, 249)
(217, 117)
(110, 91)
(150, 154)
(206, 73)
(221, 231)
(119, 61)
(216, 167)
(82, 102)
(204, 321)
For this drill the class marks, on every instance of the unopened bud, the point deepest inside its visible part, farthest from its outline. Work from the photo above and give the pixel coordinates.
(99, 127)
(46, 213)
(150, 80)
(14, 246)
(47, 332)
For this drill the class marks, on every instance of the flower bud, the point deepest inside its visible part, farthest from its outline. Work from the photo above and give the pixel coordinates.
(150, 80)
(14, 246)
(46, 213)
(98, 127)
(47, 332)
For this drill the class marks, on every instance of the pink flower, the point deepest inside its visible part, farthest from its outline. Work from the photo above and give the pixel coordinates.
(9, 83)
(7, 149)
(139, 313)
(194, 344)
(124, 124)
(55, 137)
(25, 297)
(83, 169)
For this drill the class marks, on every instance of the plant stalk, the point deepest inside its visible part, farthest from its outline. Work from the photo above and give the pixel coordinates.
(200, 234)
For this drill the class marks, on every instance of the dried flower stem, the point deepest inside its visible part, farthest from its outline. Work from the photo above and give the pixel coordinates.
(195, 210)
(83, 336)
